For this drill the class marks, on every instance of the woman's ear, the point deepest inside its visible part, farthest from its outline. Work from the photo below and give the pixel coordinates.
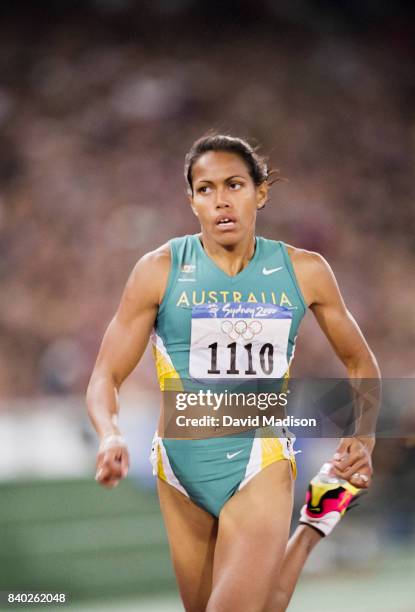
(262, 196)
(190, 197)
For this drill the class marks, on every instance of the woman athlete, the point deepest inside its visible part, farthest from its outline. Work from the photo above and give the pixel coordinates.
(227, 501)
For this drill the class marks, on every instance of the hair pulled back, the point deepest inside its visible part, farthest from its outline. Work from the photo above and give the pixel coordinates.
(256, 164)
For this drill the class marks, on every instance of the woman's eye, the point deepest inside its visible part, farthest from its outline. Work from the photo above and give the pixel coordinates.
(235, 186)
(203, 190)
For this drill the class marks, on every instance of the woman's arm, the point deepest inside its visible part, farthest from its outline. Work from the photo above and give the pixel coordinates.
(323, 296)
(122, 347)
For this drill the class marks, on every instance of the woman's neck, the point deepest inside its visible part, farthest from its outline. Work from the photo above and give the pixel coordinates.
(232, 259)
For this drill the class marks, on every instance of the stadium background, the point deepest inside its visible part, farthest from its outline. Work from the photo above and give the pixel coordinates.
(99, 101)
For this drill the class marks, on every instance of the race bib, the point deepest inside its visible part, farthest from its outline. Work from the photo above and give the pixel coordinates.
(239, 340)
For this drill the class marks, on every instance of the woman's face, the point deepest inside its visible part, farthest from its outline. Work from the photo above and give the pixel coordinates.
(225, 198)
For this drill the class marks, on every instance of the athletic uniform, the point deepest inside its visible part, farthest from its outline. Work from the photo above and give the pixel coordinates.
(210, 328)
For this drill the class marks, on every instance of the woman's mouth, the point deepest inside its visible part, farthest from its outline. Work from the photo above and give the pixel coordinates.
(226, 223)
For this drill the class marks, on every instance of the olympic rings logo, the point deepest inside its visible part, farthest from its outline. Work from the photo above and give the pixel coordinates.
(241, 329)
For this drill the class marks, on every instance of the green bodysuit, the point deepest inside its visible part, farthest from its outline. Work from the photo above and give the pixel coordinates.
(212, 328)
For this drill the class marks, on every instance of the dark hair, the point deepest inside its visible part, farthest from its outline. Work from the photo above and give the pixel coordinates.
(255, 163)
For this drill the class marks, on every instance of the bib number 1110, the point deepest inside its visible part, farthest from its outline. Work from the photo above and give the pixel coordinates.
(266, 359)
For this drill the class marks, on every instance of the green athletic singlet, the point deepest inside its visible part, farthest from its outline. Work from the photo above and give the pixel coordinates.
(200, 297)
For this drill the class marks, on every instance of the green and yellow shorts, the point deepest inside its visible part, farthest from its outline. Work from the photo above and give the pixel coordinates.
(211, 470)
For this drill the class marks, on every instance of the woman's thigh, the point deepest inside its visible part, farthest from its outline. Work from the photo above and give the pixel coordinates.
(192, 533)
(252, 537)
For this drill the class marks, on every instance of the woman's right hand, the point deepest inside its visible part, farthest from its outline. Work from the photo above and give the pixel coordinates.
(112, 461)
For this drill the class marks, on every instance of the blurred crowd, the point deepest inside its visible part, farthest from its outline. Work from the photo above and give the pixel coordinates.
(96, 115)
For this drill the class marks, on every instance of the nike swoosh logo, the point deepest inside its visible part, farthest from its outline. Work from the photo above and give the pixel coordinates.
(232, 455)
(271, 270)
